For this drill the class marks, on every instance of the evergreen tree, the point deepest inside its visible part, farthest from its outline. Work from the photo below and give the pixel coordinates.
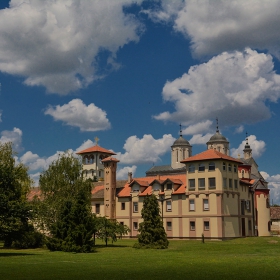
(151, 230)
(14, 187)
(64, 209)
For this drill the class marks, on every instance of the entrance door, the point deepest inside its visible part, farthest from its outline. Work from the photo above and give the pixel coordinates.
(243, 227)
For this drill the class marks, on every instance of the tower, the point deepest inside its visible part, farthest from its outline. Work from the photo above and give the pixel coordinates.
(218, 142)
(110, 168)
(247, 152)
(180, 150)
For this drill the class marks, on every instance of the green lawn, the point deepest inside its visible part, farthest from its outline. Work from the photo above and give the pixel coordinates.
(246, 258)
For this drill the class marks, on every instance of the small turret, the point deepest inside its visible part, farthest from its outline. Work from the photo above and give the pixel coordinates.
(247, 149)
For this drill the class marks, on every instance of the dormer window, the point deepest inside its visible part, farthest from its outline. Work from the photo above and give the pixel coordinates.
(135, 188)
(201, 167)
(169, 186)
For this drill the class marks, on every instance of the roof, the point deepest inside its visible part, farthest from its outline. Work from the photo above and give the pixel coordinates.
(95, 149)
(217, 137)
(275, 212)
(181, 141)
(110, 159)
(147, 183)
(210, 154)
(165, 170)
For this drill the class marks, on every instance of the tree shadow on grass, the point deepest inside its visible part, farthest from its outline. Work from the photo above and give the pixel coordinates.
(12, 254)
(110, 245)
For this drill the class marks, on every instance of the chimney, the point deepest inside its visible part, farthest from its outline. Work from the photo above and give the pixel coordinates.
(129, 180)
(158, 177)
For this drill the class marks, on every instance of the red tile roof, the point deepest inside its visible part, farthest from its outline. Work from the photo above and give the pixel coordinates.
(95, 148)
(210, 154)
(110, 159)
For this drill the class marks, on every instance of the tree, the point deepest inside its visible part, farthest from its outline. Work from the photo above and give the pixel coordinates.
(152, 233)
(15, 184)
(64, 210)
(110, 229)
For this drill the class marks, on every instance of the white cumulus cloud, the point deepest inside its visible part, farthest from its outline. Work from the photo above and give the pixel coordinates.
(230, 86)
(122, 173)
(274, 186)
(76, 113)
(220, 25)
(198, 128)
(146, 149)
(56, 44)
(257, 146)
(14, 136)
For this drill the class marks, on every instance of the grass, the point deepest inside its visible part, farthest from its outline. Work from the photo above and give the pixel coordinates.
(246, 258)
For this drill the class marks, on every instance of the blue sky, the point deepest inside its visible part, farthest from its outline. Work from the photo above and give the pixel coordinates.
(129, 72)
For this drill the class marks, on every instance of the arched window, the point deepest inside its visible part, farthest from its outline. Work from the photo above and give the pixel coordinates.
(211, 166)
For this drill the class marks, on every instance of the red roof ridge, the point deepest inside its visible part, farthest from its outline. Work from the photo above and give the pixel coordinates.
(96, 148)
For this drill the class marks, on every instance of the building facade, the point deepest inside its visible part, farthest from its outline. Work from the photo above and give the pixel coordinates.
(209, 193)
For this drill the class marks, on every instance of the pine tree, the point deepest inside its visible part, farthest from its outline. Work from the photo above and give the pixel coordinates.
(151, 230)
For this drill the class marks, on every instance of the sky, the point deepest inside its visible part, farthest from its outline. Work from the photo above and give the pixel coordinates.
(130, 72)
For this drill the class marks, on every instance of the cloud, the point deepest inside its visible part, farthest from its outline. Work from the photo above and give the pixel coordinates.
(257, 146)
(14, 136)
(217, 26)
(197, 128)
(76, 113)
(145, 150)
(239, 129)
(122, 173)
(274, 186)
(230, 86)
(56, 44)
(200, 139)
(85, 145)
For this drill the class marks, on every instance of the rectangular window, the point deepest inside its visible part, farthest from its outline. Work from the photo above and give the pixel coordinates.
(191, 168)
(122, 223)
(201, 167)
(97, 208)
(206, 225)
(234, 168)
(191, 201)
(224, 166)
(135, 225)
(212, 183)
(248, 205)
(169, 187)
(135, 207)
(169, 225)
(201, 183)
(206, 204)
(192, 225)
(230, 183)
(191, 184)
(224, 183)
(249, 225)
(229, 167)
(211, 166)
(168, 205)
(235, 184)
(123, 206)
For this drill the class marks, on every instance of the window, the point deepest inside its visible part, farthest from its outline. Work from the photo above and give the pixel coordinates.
(211, 166)
(122, 223)
(242, 173)
(224, 183)
(206, 225)
(169, 186)
(206, 204)
(191, 204)
(191, 168)
(135, 188)
(192, 225)
(249, 225)
(224, 166)
(212, 183)
(135, 207)
(229, 167)
(230, 183)
(248, 206)
(235, 184)
(123, 206)
(191, 184)
(234, 168)
(201, 167)
(97, 208)
(169, 225)
(135, 225)
(168, 205)
(201, 183)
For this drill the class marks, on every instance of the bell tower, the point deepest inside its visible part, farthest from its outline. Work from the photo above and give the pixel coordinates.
(110, 168)
(247, 149)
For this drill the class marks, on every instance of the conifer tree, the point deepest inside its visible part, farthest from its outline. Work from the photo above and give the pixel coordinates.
(151, 230)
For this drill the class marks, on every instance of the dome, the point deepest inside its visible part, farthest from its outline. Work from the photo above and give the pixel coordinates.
(218, 137)
(181, 142)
